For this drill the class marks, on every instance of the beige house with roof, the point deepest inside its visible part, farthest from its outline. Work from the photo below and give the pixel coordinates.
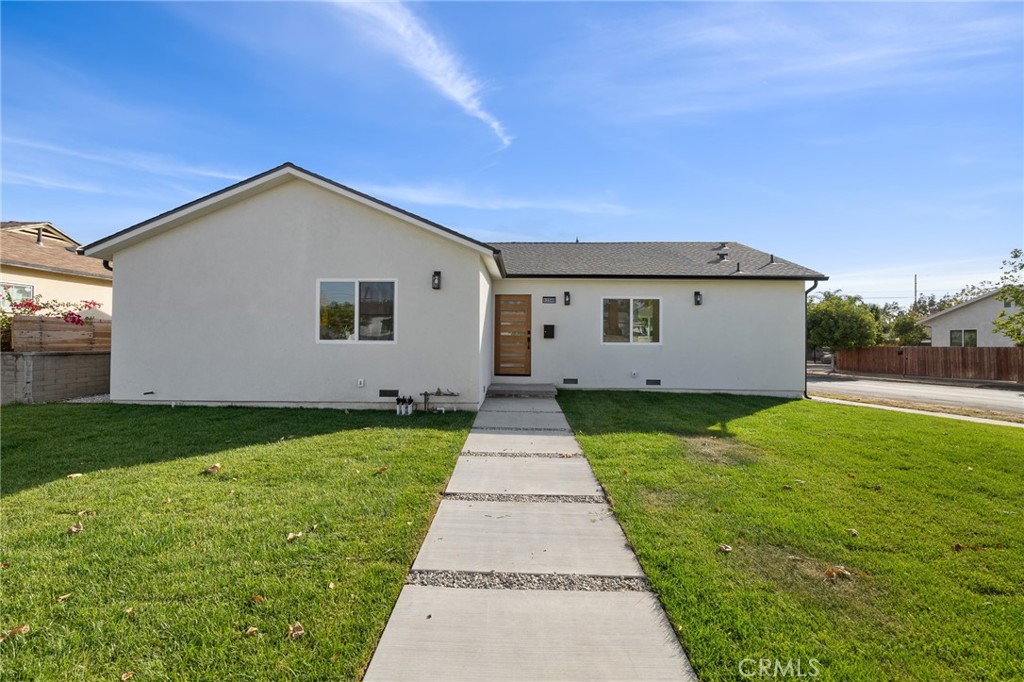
(37, 259)
(291, 289)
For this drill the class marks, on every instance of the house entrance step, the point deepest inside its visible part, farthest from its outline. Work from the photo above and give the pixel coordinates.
(522, 391)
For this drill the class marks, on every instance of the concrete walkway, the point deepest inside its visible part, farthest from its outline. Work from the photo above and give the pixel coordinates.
(525, 573)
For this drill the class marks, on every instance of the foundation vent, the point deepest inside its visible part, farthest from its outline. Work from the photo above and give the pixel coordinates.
(654, 382)
(571, 382)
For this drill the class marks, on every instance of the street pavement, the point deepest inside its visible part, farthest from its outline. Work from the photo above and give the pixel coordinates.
(993, 399)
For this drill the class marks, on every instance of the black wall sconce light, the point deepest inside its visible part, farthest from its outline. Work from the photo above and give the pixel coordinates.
(698, 298)
(435, 280)
(568, 298)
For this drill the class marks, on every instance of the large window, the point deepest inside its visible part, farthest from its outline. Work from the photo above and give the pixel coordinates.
(966, 338)
(631, 320)
(352, 310)
(18, 292)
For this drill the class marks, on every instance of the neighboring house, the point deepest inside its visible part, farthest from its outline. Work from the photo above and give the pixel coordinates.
(37, 259)
(970, 324)
(291, 289)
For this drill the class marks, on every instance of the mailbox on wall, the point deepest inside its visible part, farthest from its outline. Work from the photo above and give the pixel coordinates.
(549, 331)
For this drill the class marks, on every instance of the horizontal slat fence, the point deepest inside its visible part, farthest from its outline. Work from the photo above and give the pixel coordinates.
(989, 364)
(31, 333)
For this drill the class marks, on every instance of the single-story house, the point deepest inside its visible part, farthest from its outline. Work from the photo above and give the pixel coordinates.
(37, 259)
(970, 324)
(291, 289)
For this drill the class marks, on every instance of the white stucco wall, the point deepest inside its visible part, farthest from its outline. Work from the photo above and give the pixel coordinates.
(224, 309)
(486, 339)
(977, 315)
(61, 287)
(747, 337)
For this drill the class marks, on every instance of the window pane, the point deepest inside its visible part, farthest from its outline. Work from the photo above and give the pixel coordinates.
(646, 320)
(376, 311)
(18, 292)
(616, 320)
(337, 310)
(956, 337)
(970, 338)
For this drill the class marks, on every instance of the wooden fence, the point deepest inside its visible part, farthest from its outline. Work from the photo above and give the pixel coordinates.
(992, 364)
(31, 333)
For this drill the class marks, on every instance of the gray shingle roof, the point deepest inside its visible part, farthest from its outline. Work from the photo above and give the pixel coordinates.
(640, 260)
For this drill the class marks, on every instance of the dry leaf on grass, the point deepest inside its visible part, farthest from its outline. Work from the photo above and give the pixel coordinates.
(127, 676)
(792, 557)
(213, 469)
(853, 532)
(787, 487)
(835, 573)
(4, 564)
(293, 536)
(64, 597)
(313, 528)
(77, 528)
(258, 599)
(250, 632)
(957, 547)
(380, 470)
(724, 549)
(330, 586)
(296, 631)
(20, 630)
(128, 611)
(74, 475)
(167, 501)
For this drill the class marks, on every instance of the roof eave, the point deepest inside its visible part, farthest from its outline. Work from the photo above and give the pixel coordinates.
(741, 276)
(60, 271)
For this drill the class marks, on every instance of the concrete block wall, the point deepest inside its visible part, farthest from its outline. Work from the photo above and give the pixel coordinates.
(51, 376)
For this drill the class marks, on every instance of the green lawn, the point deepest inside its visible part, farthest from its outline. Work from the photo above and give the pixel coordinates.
(162, 577)
(783, 482)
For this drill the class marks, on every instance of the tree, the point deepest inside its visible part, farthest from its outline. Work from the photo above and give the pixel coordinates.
(926, 305)
(907, 331)
(841, 323)
(1012, 291)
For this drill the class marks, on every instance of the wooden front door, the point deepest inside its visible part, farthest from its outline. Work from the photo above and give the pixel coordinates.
(512, 335)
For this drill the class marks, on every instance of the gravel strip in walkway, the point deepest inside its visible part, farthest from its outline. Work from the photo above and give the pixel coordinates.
(531, 429)
(514, 497)
(527, 581)
(551, 455)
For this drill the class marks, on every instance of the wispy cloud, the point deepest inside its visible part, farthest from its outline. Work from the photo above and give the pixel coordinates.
(401, 32)
(146, 163)
(896, 282)
(32, 180)
(439, 195)
(691, 59)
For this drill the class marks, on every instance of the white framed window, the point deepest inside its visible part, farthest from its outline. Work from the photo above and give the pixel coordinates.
(355, 310)
(630, 320)
(963, 338)
(19, 293)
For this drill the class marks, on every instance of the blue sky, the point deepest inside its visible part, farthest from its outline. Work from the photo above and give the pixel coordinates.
(869, 141)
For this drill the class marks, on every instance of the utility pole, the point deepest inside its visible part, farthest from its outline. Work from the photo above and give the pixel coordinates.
(915, 293)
